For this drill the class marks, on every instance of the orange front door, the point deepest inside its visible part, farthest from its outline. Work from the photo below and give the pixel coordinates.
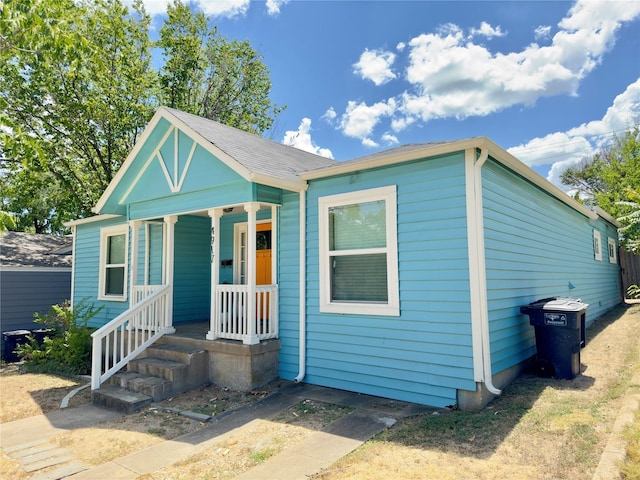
(263, 254)
(263, 268)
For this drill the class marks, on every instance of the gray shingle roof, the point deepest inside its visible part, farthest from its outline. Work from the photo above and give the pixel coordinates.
(257, 154)
(19, 249)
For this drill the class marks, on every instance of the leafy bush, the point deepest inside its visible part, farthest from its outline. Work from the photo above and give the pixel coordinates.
(633, 291)
(66, 347)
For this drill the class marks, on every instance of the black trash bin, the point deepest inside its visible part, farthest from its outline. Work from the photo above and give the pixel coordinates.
(559, 324)
(10, 341)
(40, 333)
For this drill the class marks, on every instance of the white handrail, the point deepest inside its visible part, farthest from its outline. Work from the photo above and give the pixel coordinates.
(129, 334)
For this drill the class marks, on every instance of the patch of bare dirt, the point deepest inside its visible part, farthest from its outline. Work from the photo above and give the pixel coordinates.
(254, 443)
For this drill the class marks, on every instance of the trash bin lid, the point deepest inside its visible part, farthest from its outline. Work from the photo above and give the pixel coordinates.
(568, 304)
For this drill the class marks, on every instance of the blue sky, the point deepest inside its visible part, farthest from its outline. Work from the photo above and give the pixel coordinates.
(549, 81)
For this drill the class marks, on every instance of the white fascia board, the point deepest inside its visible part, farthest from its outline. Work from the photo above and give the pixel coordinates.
(605, 215)
(96, 218)
(292, 185)
(427, 151)
(512, 163)
(495, 151)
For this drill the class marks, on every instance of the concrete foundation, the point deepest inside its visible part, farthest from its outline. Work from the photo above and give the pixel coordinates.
(243, 367)
(475, 400)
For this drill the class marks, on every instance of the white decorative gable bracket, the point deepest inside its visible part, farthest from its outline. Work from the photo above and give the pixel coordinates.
(170, 166)
(171, 170)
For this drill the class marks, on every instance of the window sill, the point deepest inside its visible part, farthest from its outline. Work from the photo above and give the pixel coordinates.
(360, 309)
(112, 298)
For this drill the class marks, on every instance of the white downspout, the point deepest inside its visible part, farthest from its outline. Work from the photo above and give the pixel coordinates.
(478, 272)
(302, 349)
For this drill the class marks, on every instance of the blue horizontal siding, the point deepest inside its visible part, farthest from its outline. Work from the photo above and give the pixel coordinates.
(87, 271)
(535, 247)
(425, 354)
(192, 269)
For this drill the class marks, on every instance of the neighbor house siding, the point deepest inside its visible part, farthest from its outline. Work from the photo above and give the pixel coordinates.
(87, 271)
(27, 290)
(425, 354)
(537, 247)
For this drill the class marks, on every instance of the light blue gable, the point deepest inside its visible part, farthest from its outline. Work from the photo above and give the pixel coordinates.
(425, 354)
(171, 172)
(537, 247)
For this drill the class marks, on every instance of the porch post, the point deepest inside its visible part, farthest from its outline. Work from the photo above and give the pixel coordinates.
(274, 245)
(170, 221)
(251, 337)
(133, 263)
(214, 214)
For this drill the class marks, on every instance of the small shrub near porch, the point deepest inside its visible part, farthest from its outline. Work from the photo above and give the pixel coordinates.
(66, 346)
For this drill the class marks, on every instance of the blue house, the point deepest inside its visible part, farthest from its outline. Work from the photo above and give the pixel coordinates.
(399, 274)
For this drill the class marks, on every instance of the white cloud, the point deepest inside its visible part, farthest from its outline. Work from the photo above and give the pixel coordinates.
(359, 119)
(390, 139)
(487, 30)
(375, 65)
(216, 8)
(273, 6)
(153, 7)
(301, 139)
(454, 77)
(543, 32)
(330, 115)
(224, 8)
(563, 149)
(451, 76)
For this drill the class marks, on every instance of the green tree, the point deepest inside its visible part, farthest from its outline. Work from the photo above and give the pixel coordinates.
(610, 179)
(210, 76)
(76, 86)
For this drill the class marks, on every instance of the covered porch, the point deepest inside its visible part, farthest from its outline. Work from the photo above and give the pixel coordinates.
(216, 270)
(241, 267)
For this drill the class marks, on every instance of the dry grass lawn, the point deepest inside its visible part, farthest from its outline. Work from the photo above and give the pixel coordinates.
(540, 428)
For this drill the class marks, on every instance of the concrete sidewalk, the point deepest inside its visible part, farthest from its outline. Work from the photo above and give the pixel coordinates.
(27, 440)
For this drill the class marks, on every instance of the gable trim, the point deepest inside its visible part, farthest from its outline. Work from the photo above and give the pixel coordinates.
(198, 139)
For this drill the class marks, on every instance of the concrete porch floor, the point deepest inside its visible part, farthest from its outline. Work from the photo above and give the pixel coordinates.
(193, 330)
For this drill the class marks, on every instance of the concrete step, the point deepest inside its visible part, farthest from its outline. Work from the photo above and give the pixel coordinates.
(117, 398)
(156, 387)
(159, 367)
(175, 352)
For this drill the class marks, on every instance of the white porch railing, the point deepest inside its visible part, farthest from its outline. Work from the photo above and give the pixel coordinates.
(232, 318)
(140, 292)
(129, 334)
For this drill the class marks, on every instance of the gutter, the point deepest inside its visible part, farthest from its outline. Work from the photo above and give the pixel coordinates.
(477, 269)
(302, 330)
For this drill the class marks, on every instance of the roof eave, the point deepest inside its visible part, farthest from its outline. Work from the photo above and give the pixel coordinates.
(97, 218)
(427, 151)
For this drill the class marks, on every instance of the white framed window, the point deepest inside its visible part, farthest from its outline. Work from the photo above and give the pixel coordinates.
(613, 254)
(359, 252)
(114, 255)
(597, 246)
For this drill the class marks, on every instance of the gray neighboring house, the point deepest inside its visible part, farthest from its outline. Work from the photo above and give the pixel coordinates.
(35, 273)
